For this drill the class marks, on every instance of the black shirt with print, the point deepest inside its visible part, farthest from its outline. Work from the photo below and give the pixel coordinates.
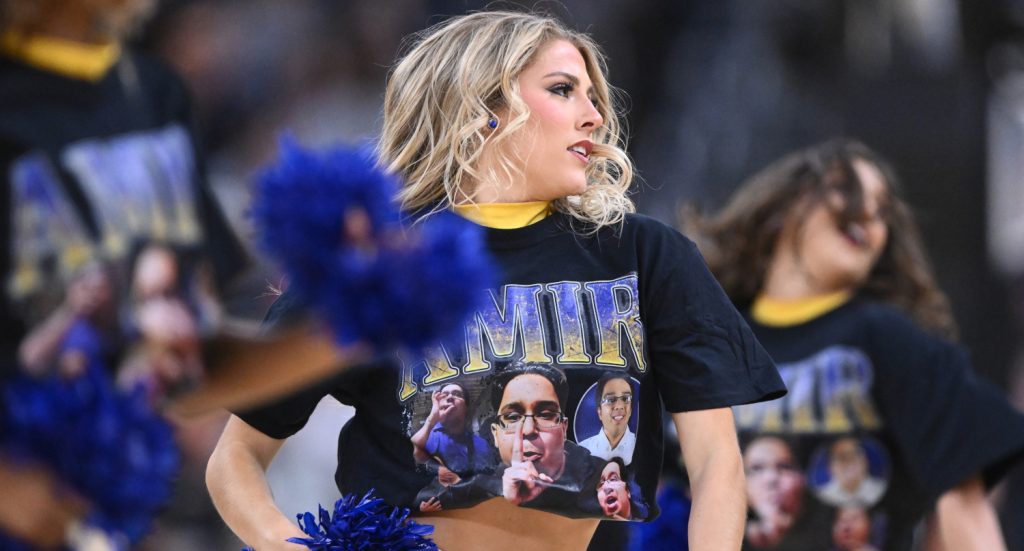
(636, 300)
(881, 419)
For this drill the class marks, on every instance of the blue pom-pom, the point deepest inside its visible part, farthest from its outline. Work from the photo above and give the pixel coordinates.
(109, 447)
(669, 531)
(366, 524)
(397, 286)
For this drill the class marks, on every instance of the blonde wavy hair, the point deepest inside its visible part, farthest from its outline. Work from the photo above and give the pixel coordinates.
(454, 77)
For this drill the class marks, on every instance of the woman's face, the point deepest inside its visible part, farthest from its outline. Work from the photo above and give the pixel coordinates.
(774, 480)
(554, 145)
(834, 257)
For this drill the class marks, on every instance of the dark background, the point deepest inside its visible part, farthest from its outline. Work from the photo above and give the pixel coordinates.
(716, 88)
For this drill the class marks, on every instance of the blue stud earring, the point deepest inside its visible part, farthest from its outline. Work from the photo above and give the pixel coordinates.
(492, 123)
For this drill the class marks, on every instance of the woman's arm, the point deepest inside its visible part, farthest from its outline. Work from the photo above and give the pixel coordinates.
(236, 478)
(712, 456)
(35, 508)
(965, 520)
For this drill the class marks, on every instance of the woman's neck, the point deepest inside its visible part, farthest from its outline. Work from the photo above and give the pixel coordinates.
(505, 216)
(788, 279)
(493, 192)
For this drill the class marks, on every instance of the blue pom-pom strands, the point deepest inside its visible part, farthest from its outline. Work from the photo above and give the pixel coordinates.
(108, 447)
(366, 524)
(330, 220)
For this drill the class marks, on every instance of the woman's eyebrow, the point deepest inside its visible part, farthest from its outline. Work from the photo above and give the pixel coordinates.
(572, 78)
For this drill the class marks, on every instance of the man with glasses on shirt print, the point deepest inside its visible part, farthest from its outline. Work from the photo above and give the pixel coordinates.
(447, 443)
(614, 408)
(447, 436)
(540, 468)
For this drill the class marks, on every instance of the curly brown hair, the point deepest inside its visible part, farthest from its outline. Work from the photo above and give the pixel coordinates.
(738, 241)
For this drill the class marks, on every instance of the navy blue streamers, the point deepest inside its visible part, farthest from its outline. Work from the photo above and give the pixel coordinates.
(669, 532)
(366, 524)
(109, 447)
(330, 220)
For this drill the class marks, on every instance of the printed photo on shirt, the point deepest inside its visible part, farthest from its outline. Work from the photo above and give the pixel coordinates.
(448, 438)
(618, 494)
(853, 530)
(448, 443)
(96, 331)
(775, 490)
(606, 417)
(170, 307)
(850, 472)
(142, 318)
(539, 466)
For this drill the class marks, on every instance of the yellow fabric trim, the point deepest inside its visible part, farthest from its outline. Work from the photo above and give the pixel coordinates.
(66, 57)
(505, 216)
(782, 313)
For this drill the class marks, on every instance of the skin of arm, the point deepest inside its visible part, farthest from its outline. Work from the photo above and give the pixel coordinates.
(419, 440)
(33, 506)
(964, 519)
(712, 456)
(237, 481)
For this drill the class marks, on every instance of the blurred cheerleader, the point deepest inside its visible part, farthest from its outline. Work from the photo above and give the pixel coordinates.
(824, 257)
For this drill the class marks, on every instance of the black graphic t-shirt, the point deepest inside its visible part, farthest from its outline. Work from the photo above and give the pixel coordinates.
(101, 190)
(881, 419)
(561, 379)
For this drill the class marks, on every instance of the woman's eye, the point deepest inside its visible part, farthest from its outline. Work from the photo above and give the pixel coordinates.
(563, 89)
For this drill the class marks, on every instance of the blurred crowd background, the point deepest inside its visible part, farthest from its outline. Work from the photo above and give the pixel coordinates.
(715, 90)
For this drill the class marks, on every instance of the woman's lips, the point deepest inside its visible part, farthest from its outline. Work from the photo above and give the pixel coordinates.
(581, 150)
(580, 156)
(855, 235)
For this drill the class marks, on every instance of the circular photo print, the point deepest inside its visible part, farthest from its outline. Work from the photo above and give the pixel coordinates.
(606, 417)
(850, 471)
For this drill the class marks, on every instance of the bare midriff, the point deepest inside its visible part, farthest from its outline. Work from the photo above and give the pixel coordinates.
(497, 525)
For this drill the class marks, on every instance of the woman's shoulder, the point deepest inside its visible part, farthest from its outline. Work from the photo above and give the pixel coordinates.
(890, 324)
(883, 315)
(650, 239)
(643, 227)
(643, 222)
